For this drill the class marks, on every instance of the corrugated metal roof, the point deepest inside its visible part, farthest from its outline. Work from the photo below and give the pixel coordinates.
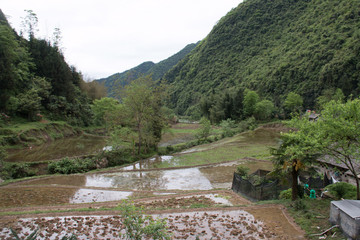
(350, 207)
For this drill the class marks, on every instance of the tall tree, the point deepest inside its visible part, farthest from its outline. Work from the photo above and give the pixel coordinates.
(338, 131)
(29, 24)
(293, 103)
(142, 101)
(297, 152)
(250, 100)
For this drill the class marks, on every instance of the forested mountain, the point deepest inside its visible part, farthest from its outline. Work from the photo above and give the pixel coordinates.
(273, 47)
(35, 79)
(156, 70)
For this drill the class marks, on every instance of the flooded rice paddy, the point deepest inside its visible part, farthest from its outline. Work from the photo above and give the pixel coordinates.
(186, 188)
(144, 175)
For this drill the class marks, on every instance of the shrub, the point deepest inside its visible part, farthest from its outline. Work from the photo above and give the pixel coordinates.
(68, 166)
(286, 194)
(204, 131)
(138, 226)
(248, 124)
(242, 171)
(16, 170)
(119, 156)
(342, 190)
(228, 128)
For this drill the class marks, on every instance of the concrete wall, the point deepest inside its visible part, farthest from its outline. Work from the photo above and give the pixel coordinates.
(349, 226)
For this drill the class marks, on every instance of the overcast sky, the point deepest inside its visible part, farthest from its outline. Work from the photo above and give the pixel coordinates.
(101, 38)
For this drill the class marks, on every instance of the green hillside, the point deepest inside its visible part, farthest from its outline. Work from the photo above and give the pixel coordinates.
(36, 81)
(157, 70)
(274, 47)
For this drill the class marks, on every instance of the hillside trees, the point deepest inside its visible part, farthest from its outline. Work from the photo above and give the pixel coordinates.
(273, 48)
(293, 103)
(34, 77)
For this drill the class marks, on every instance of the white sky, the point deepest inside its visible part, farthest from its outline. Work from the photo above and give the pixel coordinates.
(101, 38)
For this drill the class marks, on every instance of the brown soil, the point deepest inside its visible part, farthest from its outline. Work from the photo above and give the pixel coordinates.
(270, 221)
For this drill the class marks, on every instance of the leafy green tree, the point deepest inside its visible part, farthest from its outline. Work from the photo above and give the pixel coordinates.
(104, 107)
(264, 110)
(338, 131)
(228, 127)
(142, 112)
(297, 152)
(334, 135)
(250, 100)
(30, 103)
(328, 95)
(293, 103)
(15, 65)
(204, 131)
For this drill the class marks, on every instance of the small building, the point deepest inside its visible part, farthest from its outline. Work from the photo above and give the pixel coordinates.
(346, 214)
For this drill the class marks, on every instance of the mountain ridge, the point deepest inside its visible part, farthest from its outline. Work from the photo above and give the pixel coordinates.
(157, 70)
(274, 47)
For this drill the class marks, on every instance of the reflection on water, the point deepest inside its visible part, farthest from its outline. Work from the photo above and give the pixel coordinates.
(92, 195)
(195, 178)
(178, 179)
(66, 147)
(148, 163)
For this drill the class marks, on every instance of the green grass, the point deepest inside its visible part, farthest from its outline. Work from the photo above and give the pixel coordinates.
(218, 154)
(313, 219)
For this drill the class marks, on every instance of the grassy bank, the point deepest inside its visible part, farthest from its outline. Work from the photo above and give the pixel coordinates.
(311, 215)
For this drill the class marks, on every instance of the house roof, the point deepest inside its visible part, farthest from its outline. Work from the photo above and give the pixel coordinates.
(331, 161)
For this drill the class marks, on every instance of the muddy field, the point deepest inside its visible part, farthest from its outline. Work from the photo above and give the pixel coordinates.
(195, 199)
(216, 218)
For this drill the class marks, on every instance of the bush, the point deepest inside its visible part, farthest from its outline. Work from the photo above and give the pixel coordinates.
(68, 166)
(228, 128)
(242, 171)
(248, 124)
(342, 190)
(286, 194)
(139, 226)
(16, 170)
(119, 156)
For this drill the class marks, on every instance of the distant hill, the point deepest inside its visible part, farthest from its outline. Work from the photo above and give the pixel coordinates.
(274, 47)
(157, 70)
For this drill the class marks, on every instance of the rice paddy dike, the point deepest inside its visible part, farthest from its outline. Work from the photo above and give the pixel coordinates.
(191, 189)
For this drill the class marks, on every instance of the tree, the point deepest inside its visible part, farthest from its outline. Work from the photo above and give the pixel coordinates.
(142, 112)
(263, 110)
(204, 131)
(15, 65)
(334, 135)
(293, 103)
(249, 103)
(328, 95)
(338, 131)
(296, 152)
(29, 24)
(102, 108)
